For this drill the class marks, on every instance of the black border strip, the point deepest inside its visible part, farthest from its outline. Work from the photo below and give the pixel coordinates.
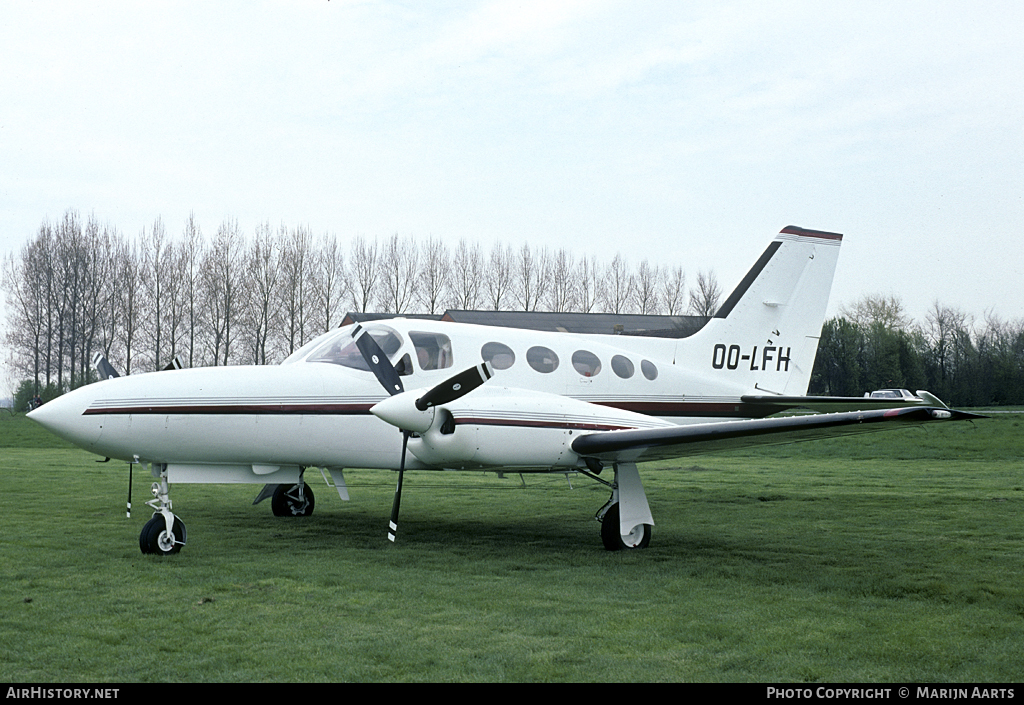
(739, 291)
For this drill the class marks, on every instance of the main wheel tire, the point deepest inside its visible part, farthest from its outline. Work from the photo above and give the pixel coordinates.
(640, 537)
(144, 544)
(155, 539)
(285, 502)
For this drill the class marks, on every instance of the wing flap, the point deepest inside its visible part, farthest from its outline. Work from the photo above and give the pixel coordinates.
(698, 439)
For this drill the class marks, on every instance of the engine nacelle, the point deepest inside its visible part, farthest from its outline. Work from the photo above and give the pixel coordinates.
(513, 428)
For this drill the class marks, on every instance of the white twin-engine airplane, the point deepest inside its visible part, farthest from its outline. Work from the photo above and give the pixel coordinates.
(524, 401)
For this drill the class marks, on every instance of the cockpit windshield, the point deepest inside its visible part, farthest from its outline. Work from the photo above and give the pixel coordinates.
(341, 349)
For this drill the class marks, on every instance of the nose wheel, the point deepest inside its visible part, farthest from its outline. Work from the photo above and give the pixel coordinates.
(165, 533)
(156, 539)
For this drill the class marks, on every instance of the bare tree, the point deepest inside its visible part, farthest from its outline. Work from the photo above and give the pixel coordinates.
(561, 292)
(190, 257)
(500, 276)
(466, 280)
(263, 267)
(155, 270)
(648, 286)
(112, 316)
(129, 303)
(222, 274)
(364, 272)
(673, 290)
(67, 268)
(619, 284)
(878, 309)
(433, 275)
(399, 264)
(705, 296)
(946, 329)
(24, 281)
(588, 277)
(532, 272)
(330, 285)
(96, 291)
(296, 267)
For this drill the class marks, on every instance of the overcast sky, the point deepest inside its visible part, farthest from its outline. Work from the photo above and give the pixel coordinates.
(683, 132)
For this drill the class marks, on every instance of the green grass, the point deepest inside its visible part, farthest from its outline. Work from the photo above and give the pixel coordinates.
(884, 558)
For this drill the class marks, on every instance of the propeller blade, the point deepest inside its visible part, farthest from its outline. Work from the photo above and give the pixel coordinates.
(377, 361)
(104, 368)
(454, 387)
(393, 525)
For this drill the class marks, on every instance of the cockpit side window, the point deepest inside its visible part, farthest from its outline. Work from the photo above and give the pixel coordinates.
(342, 350)
(433, 350)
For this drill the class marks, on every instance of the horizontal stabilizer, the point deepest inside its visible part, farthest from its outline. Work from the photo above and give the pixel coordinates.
(104, 368)
(697, 439)
(177, 363)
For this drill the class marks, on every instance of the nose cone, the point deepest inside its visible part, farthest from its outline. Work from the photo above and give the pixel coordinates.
(64, 416)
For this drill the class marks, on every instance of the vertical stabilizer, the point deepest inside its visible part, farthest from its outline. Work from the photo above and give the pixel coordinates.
(764, 337)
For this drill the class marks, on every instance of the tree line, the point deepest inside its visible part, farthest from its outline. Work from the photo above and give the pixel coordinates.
(873, 344)
(81, 286)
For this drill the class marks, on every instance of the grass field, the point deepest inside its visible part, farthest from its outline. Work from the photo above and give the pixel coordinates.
(884, 558)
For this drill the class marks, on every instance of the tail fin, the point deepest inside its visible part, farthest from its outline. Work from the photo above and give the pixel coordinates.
(764, 337)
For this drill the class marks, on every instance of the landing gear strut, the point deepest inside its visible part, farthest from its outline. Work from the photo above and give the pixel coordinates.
(626, 520)
(165, 533)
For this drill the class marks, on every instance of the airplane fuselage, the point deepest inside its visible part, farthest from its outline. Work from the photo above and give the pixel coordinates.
(317, 413)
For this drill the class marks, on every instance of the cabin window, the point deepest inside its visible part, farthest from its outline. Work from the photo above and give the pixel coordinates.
(433, 350)
(649, 370)
(499, 355)
(342, 350)
(622, 366)
(586, 363)
(542, 359)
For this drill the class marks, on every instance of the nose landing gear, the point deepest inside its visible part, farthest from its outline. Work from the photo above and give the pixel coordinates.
(165, 533)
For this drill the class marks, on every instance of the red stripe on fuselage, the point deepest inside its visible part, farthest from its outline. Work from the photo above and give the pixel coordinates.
(236, 409)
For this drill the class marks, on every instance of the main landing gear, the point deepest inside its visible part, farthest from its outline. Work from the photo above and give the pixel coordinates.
(626, 520)
(165, 533)
(293, 500)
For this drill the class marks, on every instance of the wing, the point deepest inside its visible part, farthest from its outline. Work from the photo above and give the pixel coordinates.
(696, 439)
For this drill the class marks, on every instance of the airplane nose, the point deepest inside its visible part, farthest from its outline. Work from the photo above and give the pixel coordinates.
(63, 417)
